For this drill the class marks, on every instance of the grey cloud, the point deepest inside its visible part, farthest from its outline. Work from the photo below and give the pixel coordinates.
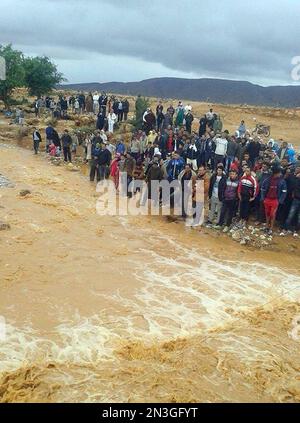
(234, 39)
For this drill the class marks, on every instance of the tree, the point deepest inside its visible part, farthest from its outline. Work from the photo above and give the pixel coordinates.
(141, 105)
(15, 72)
(41, 75)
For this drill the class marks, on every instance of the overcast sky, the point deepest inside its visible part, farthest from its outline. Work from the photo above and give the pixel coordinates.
(131, 40)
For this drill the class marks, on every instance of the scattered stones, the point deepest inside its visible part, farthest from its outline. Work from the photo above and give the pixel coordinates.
(24, 192)
(4, 226)
(73, 168)
(250, 236)
(237, 236)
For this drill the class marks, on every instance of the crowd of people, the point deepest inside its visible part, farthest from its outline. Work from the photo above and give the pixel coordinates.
(108, 110)
(244, 177)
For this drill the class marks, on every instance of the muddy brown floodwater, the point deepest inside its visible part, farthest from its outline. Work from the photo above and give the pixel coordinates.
(107, 308)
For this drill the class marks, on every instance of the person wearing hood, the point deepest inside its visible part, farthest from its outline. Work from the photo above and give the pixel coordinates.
(291, 154)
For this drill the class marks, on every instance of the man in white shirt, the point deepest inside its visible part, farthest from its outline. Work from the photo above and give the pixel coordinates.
(221, 149)
(96, 102)
(36, 136)
(210, 115)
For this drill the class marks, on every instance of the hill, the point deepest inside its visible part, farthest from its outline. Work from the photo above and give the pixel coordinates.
(210, 90)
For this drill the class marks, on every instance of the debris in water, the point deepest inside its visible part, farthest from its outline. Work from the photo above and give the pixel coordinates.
(24, 192)
(4, 226)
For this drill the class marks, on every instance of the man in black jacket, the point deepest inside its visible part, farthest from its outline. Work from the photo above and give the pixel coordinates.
(66, 143)
(202, 126)
(125, 108)
(189, 121)
(104, 159)
(103, 102)
(253, 149)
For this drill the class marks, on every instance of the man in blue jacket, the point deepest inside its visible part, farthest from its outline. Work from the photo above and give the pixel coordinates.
(174, 167)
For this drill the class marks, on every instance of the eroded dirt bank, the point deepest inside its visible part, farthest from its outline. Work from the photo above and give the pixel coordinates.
(103, 308)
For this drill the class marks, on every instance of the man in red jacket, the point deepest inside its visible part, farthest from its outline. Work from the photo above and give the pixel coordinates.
(247, 191)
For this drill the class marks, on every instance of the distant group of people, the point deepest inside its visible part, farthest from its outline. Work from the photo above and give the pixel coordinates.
(178, 117)
(243, 176)
(108, 110)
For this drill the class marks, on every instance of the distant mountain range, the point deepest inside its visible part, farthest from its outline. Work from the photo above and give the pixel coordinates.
(205, 89)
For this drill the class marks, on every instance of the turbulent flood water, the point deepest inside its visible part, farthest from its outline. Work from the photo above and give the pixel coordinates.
(102, 308)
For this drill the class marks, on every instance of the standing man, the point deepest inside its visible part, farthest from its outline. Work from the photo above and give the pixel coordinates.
(210, 117)
(221, 149)
(189, 121)
(95, 102)
(120, 111)
(103, 102)
(36, 140)
(215, 194)
(111, 119)
(242, 129)
(66, 143)
(149, 120)
(202, 126)
(273, 193)
(49, 136)
(247, 192)
(125, 109)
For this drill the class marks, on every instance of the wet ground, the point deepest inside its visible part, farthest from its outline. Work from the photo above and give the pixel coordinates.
(108, 308)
